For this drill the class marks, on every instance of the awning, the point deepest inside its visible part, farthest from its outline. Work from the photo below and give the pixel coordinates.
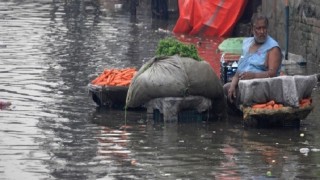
(208, 17)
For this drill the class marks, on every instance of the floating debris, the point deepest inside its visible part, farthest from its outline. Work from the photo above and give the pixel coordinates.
(4, 104)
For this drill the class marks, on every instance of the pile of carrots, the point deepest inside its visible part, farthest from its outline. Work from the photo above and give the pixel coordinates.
(115, 77)
(273, 105)
(305, 102)
(269, 105)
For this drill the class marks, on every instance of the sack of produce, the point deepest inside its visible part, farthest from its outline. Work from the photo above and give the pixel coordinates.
(174, 76)
(285, 90)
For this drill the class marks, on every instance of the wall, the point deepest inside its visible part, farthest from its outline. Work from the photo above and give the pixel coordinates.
(304, 26)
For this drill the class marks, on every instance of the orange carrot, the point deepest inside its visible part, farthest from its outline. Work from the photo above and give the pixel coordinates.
(126, 77)
(111, 78)
(99, 79)
(304, 104)
(257, 106)
(115, 77)
(117, 81)
(307, 100)
(269, 106)
(276, 106)
(124, 83)
(272, 102)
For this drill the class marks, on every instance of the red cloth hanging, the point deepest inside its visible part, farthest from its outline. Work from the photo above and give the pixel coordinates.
(208, 17)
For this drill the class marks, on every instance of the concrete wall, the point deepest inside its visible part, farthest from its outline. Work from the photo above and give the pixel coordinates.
(304, 26)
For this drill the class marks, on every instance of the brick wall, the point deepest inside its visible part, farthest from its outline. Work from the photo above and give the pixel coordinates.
(304, 26)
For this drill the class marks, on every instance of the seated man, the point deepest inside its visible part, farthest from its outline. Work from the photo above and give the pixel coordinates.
(261, 58)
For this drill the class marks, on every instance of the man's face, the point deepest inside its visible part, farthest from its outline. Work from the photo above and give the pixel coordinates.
(259, 31)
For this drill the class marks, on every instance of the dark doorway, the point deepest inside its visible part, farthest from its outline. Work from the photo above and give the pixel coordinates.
(159, 9)
(242, 28)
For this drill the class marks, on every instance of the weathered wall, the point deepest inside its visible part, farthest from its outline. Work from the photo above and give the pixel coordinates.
(304, 26)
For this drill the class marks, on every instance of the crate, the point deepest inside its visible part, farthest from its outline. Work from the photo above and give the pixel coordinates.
(109, 96)
(188, 115)
(184, 109)
(228, 66)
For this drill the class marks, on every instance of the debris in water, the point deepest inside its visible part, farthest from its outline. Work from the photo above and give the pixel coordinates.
(4, 104)
(269, 173)
(304, 151)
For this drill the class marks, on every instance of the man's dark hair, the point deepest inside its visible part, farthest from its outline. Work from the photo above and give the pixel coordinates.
(257, 17)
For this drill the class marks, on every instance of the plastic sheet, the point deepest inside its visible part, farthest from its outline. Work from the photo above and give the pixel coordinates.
(287, 90)
(208, 17)
(231, 45)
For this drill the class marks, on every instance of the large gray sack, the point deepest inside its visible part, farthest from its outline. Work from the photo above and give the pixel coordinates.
(287, 90)
(173, 76)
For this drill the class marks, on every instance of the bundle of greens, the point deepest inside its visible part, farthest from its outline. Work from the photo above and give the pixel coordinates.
(170, 47)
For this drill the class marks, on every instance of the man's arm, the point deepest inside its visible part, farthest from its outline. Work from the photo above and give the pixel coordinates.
(274, 61)
(233, 86)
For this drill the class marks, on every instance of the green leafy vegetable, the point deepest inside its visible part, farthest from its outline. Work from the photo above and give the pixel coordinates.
(170, 47)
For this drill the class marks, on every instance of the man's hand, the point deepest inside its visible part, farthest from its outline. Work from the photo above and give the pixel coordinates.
(232, 94)
(247, 75)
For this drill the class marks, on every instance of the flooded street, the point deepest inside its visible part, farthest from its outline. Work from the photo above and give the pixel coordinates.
(51, 50)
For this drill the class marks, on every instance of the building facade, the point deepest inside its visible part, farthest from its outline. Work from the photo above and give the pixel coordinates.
(304, 26)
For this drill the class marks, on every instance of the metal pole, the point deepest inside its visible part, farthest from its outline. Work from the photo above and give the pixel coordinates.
(133, 7)
(287, 27)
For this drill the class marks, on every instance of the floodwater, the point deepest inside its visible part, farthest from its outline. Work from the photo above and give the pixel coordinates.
(49, 52)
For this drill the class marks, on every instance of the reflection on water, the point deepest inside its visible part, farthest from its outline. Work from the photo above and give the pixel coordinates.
(50, 50)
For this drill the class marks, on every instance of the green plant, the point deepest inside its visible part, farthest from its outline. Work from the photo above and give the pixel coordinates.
(171, 46)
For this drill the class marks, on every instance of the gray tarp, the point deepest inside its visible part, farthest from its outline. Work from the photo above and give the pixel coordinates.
(174, 76)
(287, 90)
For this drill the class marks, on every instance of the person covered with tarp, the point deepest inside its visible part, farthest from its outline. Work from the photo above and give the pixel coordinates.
(261, 57)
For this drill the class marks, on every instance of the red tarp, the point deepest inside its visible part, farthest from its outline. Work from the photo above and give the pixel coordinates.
(207, 48)
(208, 17)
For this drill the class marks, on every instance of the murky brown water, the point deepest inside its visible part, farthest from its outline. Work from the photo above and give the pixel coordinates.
(49, 52)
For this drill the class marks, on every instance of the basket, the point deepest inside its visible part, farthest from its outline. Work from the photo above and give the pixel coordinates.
(284, 117)
(109, 96)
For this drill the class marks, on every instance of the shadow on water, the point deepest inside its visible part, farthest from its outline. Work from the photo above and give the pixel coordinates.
(53, 129)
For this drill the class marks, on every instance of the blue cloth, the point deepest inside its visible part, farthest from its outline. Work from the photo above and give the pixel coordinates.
(255, 62)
